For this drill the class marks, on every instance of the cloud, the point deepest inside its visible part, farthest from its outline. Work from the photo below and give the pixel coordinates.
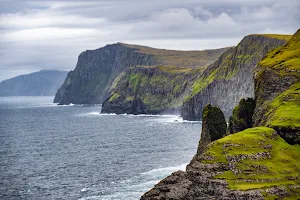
(38, 35)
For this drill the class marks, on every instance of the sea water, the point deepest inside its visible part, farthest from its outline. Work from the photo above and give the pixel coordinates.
(73, 152)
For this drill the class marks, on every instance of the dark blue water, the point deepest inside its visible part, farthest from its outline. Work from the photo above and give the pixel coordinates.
(73, 152)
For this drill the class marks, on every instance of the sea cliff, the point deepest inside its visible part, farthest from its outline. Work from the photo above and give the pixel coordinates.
(230, 78)
(260, 162)
(96, 70)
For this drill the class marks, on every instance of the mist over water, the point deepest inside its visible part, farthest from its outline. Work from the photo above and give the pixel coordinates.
(73, 152)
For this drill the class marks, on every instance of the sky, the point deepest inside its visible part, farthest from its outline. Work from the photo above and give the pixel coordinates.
(41, 35)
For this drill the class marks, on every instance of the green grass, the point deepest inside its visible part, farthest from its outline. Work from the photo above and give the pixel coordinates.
(129, 98)
(114, 97)
(194, 59)
(285, 109)
(134, 80)
(281, 169)
(277, 36)
(285, 60)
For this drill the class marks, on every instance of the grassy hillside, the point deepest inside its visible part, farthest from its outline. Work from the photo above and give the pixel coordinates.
(192, 59)
(41, 83)
(261, 160)
(230, 63)
(157, 89)
(278, 90)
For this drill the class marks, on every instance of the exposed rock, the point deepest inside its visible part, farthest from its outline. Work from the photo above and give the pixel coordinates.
(277, 90)
(255, 163)
(240, 166)
(97, 69)
(229, 79)
(241, 118)
(148, 90)
(213, 127)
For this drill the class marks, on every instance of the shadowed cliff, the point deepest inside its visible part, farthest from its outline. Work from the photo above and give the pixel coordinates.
(96, 70)
(230, 78)
(255, 163)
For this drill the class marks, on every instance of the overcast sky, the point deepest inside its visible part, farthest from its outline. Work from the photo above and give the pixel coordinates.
(39, 35)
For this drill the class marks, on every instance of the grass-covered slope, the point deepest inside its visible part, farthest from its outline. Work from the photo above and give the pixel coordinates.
(230, 78)
(262, 162)
(193, 59)
(96, 70)
(277, 90)
(260, 158)
(149, 90)
(41, 83)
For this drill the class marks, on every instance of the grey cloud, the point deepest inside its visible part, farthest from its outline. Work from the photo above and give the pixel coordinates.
(50, 34)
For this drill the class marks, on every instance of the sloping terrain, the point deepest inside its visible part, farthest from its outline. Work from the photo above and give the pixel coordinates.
(262, 162)
(42, 83)
(96, 70)
(230, 78)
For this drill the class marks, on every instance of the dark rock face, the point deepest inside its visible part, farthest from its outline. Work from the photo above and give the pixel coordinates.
(277, 85)
(241, 118)
(148, 90)
(95, 71)
(198, 181)
(213, 126)
(229, 78)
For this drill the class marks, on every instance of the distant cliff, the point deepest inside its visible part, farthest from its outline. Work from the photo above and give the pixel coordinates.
(97, 69)
(150, 90)
(230, 78)
(42, 83)
(255, 163)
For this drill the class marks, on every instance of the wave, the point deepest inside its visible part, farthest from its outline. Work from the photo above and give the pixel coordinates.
(150, 117)
(133, 188)
(95, 114)
(165, 170)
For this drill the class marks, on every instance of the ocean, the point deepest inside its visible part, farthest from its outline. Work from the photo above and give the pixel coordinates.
(74, 152)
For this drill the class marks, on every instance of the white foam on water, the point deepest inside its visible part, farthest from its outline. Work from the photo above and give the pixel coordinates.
(95, 114)
(165, 170)
(133, 189)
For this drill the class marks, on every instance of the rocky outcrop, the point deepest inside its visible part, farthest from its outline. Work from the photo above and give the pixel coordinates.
(229, 78)
(96, 70)
(241, 117)
(277, 90)
(238, 166)
(213, 127)
(150, 90)
(256, 163)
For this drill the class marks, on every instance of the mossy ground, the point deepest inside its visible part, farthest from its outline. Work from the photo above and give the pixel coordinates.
(158, 87)
(285, 109)
(277, 36)
(285, 60)
(194, 59)
(263, 160)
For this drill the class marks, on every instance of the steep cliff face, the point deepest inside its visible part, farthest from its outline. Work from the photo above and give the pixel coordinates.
(241, 117)
(256, 163)
(277, 90)
(253, 164)
(229, 78)
(213, 127)
(150, 89)
(96, 69)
